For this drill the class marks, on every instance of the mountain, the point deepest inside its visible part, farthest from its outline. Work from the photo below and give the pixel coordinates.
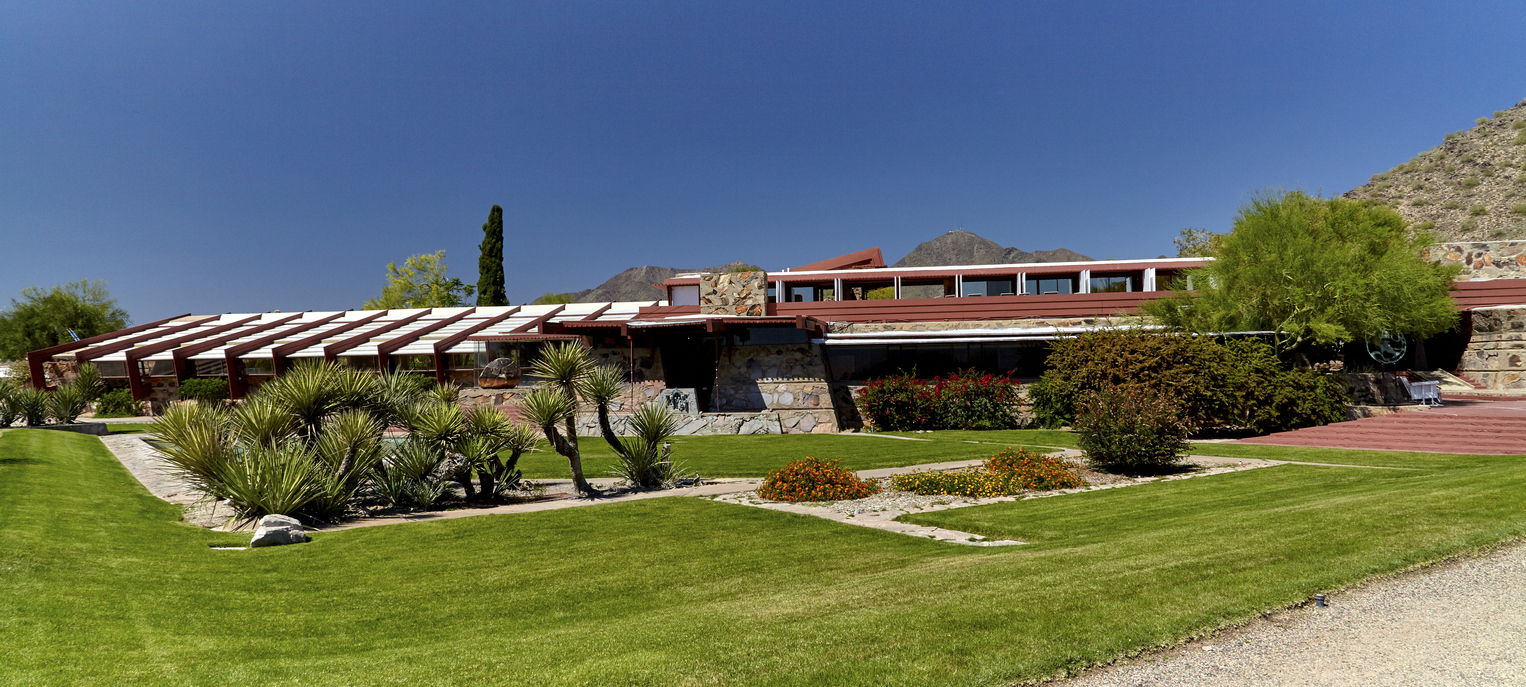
(965, 248)
(635, 284)
(1472, 187)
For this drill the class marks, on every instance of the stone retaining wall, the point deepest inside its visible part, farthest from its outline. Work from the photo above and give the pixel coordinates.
(1496, 354)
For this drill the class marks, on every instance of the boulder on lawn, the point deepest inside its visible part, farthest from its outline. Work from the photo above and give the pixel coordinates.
(502, 373)
(275, 530)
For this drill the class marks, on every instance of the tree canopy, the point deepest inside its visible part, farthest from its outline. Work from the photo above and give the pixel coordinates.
(421, 283)
(490, 262)
(1315, 271)
(44, 317)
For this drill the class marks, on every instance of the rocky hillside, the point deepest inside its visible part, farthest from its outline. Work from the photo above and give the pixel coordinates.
(1472, 187)
(964, 248)
(635, 284)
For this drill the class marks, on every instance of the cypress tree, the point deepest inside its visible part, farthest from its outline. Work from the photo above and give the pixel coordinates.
(490, 264)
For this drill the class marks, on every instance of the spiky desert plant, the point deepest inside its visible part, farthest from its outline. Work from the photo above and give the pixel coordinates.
(645, 457)
(348, 451)
(31, 404)
(67, 403)
(270, 480)
(395, 394)
(447, 392)
(88, 378)
(563, 366)
(262, 421)
(8, 411)
(196, 443)
(488, 435)
(601, 386)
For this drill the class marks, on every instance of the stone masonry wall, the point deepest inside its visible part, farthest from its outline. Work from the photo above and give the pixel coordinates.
(788, 379)
(1496, 353)
(733, 293)
(1482, 259)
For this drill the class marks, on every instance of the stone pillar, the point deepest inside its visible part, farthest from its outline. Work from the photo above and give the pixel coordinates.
(734, 294)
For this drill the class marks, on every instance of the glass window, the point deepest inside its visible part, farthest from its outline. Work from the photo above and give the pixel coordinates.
(1022, 359)
(771, 336)
(989, 287)
(211, 368)
(112, 369)
(1112, 284)
(413, 363)
(1043, 286)
(258, 366)
(359, 362)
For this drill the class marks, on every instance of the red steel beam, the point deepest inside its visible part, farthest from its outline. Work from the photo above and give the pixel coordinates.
(237, 385)
(445, 344)
(384, 351)
(182, 354)
(113, 347)
(279, 353)
(36, 358)
(331, 352)
(134, 376)
(537, 322)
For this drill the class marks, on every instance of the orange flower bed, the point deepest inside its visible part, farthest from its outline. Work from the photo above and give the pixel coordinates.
(814, 479)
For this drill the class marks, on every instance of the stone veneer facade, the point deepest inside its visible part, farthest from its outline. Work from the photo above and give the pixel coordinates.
(790, 380)
(1482, 259)
(736, 294)
(1496, 354)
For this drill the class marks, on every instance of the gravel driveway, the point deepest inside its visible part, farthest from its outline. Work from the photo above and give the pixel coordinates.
(1462, 623)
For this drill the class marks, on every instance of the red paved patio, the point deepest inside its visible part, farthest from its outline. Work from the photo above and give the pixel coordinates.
(1470, 425)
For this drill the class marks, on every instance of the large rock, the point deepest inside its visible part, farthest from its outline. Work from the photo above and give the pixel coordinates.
(275, 530)
(502, 373)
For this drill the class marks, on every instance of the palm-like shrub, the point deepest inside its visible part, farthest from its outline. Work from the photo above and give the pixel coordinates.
(88, 378)
(8, 410)
(311, 444)
(645, 457)
(570, 374)
(67, 403)
(30, 404)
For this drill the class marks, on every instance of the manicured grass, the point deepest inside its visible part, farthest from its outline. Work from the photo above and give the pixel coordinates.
(755, 455)
(130, 427)
(100, 585)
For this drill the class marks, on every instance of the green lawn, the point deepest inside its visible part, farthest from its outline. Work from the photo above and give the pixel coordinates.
(100, 585)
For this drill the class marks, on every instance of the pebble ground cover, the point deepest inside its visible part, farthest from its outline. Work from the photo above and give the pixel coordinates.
(99, 584)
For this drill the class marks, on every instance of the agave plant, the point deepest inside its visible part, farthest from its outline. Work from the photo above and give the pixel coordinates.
(348, 451)
(67, 403)
(8, 410)
(31, 404)
(645, 457)
(88, 379)
(267, 480)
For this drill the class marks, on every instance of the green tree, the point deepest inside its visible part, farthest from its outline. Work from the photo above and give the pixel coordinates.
(549, 298)
(421, 283)
(1316, 271)
(490, 263)
(1197, 243)
(44, 317)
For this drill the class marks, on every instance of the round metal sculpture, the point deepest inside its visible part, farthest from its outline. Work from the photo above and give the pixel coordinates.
(1388, 348)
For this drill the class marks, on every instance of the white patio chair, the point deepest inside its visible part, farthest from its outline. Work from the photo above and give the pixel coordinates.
(1428, 393)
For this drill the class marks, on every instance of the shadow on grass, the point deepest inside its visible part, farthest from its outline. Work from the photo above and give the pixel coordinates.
(1146, 470)
(19, 461)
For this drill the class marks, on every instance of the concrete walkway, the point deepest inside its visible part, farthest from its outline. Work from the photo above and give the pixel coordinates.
(1459, 623)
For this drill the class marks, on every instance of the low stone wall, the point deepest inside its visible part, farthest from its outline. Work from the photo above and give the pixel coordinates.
(1496, 354)
(1482, 259)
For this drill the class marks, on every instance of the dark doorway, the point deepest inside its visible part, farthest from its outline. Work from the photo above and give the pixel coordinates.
(688, 362)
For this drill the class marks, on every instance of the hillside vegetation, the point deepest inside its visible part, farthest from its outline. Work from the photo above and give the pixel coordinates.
(1472, 187)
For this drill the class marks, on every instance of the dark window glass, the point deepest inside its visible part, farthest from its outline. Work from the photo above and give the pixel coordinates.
(1051, 285)
(211, 368)
(1022, 359)
(1112, 284)
(109, 369)
(258, 366)
(772, 336)
(989, 287)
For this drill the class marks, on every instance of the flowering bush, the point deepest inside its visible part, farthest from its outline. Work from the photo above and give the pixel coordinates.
(1008, 472)
(814, 479)
(1130, 427)
(965, 400)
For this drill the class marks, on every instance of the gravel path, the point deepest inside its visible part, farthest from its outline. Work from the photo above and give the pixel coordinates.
(1461, 623)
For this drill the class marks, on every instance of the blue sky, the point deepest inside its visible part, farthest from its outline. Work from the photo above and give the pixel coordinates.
(211, 157)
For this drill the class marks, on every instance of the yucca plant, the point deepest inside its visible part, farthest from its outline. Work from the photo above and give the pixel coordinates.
(8, 410)
(30, 404)
(196, 444)
(645, 457)
(88, 378)
(489, 434)
(548, 406)
(268, 480)
(67, 403)
(347, 451)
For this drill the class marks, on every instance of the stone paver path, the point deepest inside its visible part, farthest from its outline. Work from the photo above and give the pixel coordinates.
(1460, 623)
